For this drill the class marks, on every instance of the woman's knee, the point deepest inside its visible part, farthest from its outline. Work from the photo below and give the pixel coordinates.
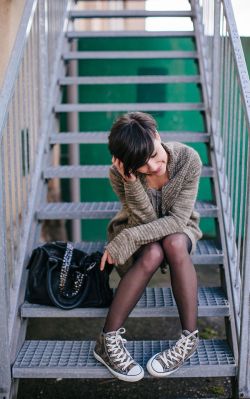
(175, 244)
(152, 256)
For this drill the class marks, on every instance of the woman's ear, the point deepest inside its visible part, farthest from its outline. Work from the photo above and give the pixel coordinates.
(157, 136)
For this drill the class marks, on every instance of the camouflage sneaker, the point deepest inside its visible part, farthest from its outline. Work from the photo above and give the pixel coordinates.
(111, 352)
(168, 361)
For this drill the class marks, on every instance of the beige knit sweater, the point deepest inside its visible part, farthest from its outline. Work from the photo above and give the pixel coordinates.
(137, 223)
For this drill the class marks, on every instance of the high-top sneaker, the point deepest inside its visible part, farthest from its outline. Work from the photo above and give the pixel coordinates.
(169, 360)
(110, 351)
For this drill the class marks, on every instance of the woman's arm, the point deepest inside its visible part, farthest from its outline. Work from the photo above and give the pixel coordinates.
(133, 197)
(175, 222)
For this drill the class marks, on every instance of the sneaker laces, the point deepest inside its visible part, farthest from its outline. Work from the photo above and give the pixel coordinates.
(179, 350)
(117, 350)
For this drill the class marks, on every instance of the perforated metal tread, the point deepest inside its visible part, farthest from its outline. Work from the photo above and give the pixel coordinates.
(84, 55)
(113, 80)
(127, 14)
(95, 171)
(74, 359)
(101, 210)
(102, 137)
(128, 33)
(112, 107)
(207, 251)
(155, 302)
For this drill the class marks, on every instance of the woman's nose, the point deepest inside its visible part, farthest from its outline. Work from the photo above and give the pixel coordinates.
(152, 165)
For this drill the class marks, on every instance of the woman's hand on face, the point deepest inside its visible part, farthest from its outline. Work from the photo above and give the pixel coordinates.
(119, 166)
(106, 258)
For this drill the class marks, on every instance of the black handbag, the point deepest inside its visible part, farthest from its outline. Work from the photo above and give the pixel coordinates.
(64, 276)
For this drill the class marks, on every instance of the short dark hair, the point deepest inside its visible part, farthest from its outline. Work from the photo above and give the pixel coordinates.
(131, 140)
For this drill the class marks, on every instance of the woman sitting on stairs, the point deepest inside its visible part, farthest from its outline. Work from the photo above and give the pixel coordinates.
(157, 184)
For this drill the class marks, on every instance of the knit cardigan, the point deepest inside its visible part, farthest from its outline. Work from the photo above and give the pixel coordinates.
(137, 223)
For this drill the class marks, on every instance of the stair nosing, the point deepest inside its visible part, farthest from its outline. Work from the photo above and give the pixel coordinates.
(95, 171)
(128, 13)
(147, 79)
(129, 54)
(113, 107)
(155, 302)
(212, 255)
(127, 33)
(102, 137)
(102, 210)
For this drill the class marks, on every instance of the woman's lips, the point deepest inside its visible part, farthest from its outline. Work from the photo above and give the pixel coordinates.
(159, 169)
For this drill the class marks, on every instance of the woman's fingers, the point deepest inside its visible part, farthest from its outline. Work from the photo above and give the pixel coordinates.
(120, 167)
(106, 257)
(118, 164)
(110, 260)
(103, 260)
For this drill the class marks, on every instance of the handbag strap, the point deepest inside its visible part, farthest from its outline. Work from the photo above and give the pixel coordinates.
(65, 265)
(65, 270)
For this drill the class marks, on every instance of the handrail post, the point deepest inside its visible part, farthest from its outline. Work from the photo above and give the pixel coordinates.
(5, 371)
(244, 345)
(43, 61)
(216, 68)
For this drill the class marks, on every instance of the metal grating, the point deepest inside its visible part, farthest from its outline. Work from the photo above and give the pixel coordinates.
(101, 210)
(155, 302)
(102, 137)
(207, 251)
(95, 171)
(74, 359)
(163, 297)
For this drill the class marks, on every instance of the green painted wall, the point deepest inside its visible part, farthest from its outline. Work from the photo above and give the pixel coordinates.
(99, 189)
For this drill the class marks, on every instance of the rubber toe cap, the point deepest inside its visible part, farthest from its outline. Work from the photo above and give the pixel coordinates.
(156, 366)
(136, 370)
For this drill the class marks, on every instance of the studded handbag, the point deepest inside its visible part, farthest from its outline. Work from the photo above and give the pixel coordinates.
(63, 276)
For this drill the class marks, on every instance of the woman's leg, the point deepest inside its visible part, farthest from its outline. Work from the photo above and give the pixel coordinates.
(183, 278)
(132, 285)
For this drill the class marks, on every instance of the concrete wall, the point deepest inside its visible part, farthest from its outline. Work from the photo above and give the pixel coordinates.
(10, 15)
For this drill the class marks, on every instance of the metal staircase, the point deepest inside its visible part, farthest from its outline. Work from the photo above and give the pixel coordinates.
(74, 359)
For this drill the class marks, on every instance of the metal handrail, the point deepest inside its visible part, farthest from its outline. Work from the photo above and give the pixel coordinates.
(14, 64)
(26, 114)
(228, 85)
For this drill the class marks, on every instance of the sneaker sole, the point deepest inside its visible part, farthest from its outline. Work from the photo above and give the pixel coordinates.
(166, 373)
(122, 377)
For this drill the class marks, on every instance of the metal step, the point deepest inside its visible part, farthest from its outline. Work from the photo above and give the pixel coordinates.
(207, 252)
(102, 137)
(101, 210)
(74, 359)
(127, 14)
(94, 171)
(78, 80)
(94, 55)
(113, 107)
(127, 33)
(155, 302)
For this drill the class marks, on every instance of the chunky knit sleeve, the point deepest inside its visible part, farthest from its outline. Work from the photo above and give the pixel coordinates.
(133, 197)
(174, 222)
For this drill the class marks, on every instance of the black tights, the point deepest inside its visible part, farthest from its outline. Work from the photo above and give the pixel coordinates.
(176, 247)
